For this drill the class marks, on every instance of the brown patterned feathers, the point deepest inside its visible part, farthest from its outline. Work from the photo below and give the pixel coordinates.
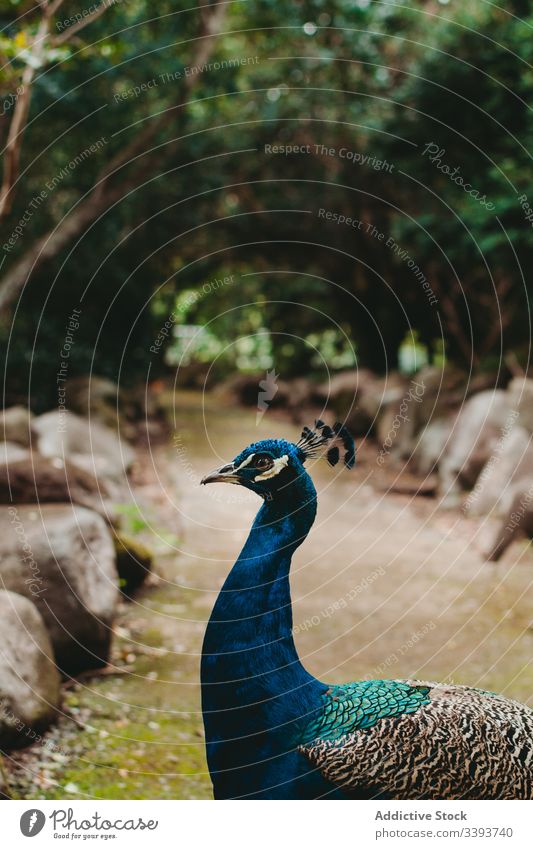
(453, 742)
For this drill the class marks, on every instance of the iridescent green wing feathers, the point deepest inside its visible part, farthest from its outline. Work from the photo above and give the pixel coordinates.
(419, 740)
(350, 707)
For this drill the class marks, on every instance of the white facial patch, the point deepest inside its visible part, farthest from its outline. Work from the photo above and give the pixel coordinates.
(278, 464)
(244, 463)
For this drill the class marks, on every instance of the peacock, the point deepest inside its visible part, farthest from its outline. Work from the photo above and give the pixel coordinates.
(273, 731)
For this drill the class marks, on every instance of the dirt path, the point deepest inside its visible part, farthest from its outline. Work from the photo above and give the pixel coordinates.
(385, 586)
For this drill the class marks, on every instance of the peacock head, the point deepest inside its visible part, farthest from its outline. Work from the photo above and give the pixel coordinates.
(270, 466)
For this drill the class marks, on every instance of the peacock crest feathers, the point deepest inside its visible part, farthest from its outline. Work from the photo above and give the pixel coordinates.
(335, 438)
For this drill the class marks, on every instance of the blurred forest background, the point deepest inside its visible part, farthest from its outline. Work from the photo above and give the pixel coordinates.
(180, 188)
(219, 222)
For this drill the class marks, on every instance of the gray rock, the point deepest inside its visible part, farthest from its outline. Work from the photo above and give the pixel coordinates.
(88, 444)
(62, 558)
(42, 480)
(431, 444)
(357, 396)
(444, 389)
(520, 395)
(396, 420)
(86, 394)
(15, 425)
(100, 398)
(10, 452)
(441, 380)
(362, 399)
(244, 388)
(517, 521)
(511, 461)
(29, 680)
(480, 423)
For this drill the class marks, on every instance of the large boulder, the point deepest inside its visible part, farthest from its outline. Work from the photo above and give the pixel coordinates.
(520, 395)
(29, 680)
(267, 391)
(475, 433)
(90, 394)
(517, 521)
(397, 421)
(354, 396)
(511, 461)
(245, 388)
(62, 557)
(10, 452)
(15, 425)
(440, 393)
(361, 398)
(416, 415)
(441, 390)
(431, 445)
(88, 444)
(43, 480)
(100, 398)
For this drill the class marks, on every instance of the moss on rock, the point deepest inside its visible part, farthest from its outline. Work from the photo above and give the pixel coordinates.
(134, 562)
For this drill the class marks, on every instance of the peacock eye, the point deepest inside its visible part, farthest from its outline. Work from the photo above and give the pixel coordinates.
(263, 463)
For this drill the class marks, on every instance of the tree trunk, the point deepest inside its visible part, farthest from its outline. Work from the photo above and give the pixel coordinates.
(108, 190)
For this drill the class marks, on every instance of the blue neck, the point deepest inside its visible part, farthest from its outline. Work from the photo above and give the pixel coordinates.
(253, 683)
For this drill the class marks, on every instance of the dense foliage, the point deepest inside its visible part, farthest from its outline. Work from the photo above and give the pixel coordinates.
(356, 171)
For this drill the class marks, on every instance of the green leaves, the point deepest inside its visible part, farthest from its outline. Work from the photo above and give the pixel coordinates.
(379, 80)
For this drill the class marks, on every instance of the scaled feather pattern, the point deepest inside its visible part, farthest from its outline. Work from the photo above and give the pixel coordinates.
(455, 743)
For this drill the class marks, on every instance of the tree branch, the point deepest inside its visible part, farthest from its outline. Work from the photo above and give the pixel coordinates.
(20, 119)
(104, 195)
(453, 320)
(52, 8)
(79, 25)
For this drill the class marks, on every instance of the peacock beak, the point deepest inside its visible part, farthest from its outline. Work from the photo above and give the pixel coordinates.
(225, 473)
